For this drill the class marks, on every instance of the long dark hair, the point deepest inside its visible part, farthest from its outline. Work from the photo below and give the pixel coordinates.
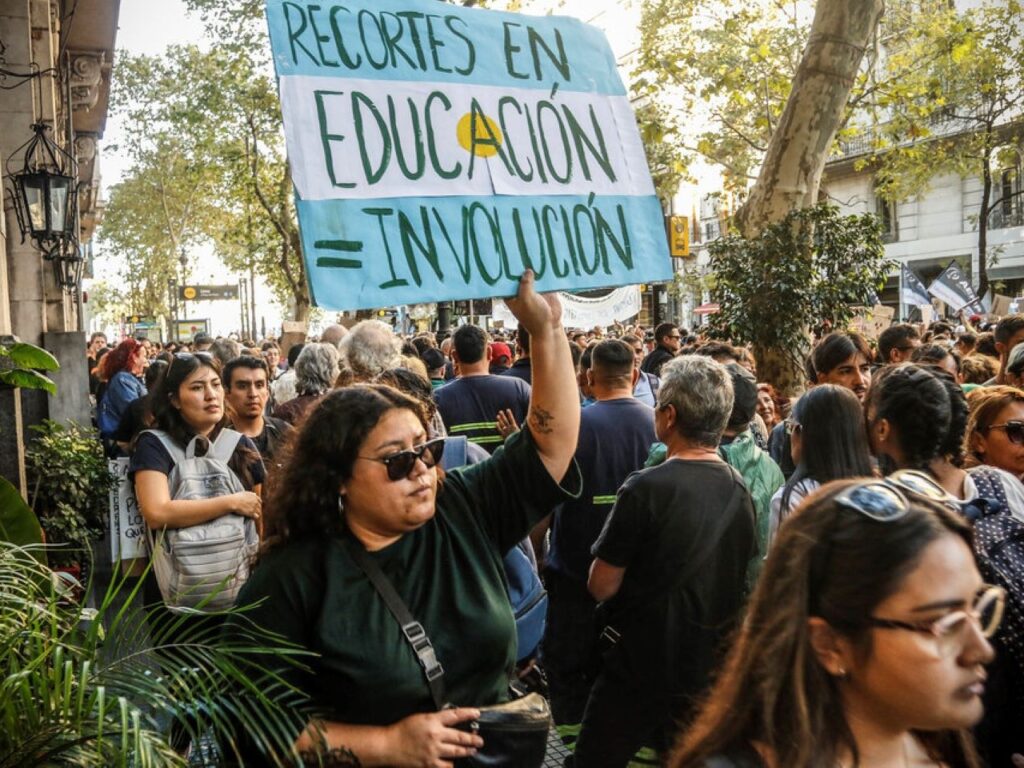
(169, 419)
(916, 403)
(303, 499)
(833, 563)
(834, 444)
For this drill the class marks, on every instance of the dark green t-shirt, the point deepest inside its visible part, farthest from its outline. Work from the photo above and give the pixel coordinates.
(448, 572)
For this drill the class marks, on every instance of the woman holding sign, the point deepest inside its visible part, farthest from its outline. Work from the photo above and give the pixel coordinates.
(360, 500)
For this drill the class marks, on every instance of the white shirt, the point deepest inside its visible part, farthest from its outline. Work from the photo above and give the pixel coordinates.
(801, 490)
(1012, 487)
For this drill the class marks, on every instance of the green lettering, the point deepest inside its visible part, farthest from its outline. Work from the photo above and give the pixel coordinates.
(431, 142)
(463, 262)
(435, 44)
(392, 37)
(293, 34)
(577, 210)
(417, 137)
(470, 214)
(320, 39)
(561, 61)
(549, 236)
(339, 44)
(414, 33)
(502, 102)
(380, 213)
(510, 49)
(363, 16)
(358, 101)
(567, 229)
(604, 232)
(541, 106)
(600, 152)
(410, 239)
(449, 21)
(477, 119)
(326, 138)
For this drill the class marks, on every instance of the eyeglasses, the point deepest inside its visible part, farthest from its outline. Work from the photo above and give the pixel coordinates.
(400, 465)
(879, 500)
(186, 356)
(1014, 431)
(792, 426)
(950, 633)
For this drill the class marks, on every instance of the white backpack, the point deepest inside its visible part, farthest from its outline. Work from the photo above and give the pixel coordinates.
(202, 567)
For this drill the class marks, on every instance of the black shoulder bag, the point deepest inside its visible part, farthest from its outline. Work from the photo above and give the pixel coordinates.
(515, 734)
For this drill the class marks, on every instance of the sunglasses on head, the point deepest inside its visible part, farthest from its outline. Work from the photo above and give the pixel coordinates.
(1014, 431)
(885, 500)
(401, 464)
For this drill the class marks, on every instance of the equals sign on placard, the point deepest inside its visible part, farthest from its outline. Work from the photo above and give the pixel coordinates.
(339, 262)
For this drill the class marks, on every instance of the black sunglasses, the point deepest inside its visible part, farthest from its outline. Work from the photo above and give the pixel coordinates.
(1014, 431)
(400, 465)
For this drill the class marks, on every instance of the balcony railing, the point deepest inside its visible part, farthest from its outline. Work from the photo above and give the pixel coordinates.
(1000, 219)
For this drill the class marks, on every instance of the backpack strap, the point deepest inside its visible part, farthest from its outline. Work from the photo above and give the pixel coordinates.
(225, 444)
(177, 455)
(455, 451)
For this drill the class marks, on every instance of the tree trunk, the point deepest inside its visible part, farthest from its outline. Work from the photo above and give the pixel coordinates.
(986, 197)
(792, 168)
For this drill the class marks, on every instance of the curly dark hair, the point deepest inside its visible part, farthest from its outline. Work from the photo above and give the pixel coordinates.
(916, 403)
(303, 499)
(959, 412)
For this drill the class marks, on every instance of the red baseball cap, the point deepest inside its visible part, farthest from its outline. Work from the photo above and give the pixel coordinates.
(499, 349)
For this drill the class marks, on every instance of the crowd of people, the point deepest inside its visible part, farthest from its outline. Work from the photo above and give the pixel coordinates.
(733, 577)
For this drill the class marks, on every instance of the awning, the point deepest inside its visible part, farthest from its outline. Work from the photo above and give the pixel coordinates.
(707, 309)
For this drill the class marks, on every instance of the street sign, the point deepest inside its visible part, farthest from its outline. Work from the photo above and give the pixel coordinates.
(679, 236)
(207, 292)
(139, 320)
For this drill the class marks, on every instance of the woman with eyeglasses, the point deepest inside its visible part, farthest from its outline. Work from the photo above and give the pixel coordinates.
(995, 431)
(865, 643)
(362, 481)
(917, 418)
(827, 442)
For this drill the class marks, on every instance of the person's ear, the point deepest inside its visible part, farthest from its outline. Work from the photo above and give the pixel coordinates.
(636, 377)
(1001, 348)
(831, 649)
(978, 443)
(883, 429)
(590, 378)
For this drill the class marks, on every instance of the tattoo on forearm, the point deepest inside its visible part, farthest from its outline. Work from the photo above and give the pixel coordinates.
(330, 757)
(541, 421)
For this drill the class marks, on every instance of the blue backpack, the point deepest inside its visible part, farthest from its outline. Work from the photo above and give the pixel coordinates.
(525, 590)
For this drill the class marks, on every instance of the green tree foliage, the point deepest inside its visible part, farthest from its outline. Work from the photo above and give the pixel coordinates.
(957, 105)
(206, 138)
(728, 63)
(813, 266)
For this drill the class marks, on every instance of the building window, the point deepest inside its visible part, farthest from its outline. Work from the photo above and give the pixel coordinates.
(1009, 209)
(886, 212)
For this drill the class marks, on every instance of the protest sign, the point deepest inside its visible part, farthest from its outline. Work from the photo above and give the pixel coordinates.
(582, 312)
(869, 322)
(127, 528)
(439, 151)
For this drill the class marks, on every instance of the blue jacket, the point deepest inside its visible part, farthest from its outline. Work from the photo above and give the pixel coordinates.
(122, 390)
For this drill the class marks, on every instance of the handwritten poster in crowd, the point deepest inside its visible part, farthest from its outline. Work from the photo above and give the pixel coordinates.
(583, 312)
(438, 151)
(127, 528)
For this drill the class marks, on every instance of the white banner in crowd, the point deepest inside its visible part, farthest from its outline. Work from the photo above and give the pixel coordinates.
(127, 530)
(580, 312)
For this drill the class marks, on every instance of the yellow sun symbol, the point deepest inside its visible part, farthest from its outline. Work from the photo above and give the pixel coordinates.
(487, 133)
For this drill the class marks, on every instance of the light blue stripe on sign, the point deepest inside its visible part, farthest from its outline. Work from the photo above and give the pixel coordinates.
(384, 252)
(424, 40)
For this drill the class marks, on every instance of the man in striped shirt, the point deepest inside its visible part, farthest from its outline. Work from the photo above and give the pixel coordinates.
(469, 405)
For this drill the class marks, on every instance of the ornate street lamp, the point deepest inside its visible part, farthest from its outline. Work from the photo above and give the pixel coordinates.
(46, 201)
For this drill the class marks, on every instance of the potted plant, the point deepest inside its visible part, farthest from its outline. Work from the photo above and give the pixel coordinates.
(70, 486)
(79, 686)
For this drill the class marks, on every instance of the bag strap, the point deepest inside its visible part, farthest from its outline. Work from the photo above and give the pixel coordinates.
(412, 630)
(455, 452)
(224, 446)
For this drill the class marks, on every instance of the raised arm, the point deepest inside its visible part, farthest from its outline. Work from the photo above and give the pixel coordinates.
(554, 416)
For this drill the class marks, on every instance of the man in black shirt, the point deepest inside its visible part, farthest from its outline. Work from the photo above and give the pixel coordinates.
(667, 336)
(246, 391)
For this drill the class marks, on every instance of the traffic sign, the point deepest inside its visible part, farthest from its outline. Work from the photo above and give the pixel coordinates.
(679, 236)
(208, 292)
